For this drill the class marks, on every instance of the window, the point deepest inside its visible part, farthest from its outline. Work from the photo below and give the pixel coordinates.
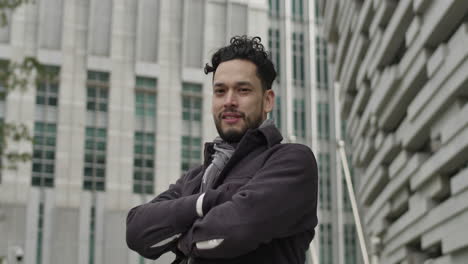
(97, 91)
(145, 83)
(92, 235)
(298, 59)
(145, 97)
(326, 244)
(43, 154)
(191, 152)
(350, 244)
(274, 8)
(191, 125)
(321, 66)
(323, 121)
(145, 104)
(299, 118)
(297, 9)
(191, 103)
(143, 164)
(144, 137)
(40, 233)
(95, 159)
(318, 15)
(274, 47)
(48, 86)
(45, 132)
(325, 181)
(94, 170)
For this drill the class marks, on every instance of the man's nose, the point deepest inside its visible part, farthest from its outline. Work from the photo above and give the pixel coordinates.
(230, 99)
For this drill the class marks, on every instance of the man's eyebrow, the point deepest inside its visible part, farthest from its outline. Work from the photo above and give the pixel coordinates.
(243, 83)
(218, 84)
(239, 83)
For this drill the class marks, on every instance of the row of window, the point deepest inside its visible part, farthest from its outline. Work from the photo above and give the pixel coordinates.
(322, 80)
(97, 99)
(298, 59)
(323, 121)
(326, 244)
(274, 42)
(192, 101)
(325, 192)
(297, 9)
(321, 65)
(350, 238)
(299, 118)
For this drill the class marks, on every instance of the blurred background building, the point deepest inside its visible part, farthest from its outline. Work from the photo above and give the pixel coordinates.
(402, 72)
(125, 108)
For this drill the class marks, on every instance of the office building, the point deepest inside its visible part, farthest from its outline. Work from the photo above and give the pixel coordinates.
(306, 115)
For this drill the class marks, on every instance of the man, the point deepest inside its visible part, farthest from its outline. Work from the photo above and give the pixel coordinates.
(254, 200)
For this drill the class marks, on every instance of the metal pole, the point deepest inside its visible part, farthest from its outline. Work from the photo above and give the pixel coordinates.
(352, 198)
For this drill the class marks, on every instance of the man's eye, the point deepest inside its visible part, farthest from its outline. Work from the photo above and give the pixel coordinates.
(244, 90)
(218, 91)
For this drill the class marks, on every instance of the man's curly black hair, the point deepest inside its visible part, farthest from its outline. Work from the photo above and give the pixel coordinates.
(243, 47)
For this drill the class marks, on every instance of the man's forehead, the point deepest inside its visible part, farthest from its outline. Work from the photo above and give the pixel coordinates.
(241, 69)
(236, 83)
(236, 65)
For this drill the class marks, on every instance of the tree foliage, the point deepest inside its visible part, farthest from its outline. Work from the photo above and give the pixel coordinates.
(14, 75)
(7, 6)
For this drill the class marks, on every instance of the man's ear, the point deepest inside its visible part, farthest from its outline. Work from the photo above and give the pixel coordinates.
(268, 101)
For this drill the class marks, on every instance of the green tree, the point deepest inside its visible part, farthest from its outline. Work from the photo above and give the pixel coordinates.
(7, 7)
(13, 76)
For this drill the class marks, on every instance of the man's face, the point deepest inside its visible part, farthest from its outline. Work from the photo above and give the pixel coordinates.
(239, 102)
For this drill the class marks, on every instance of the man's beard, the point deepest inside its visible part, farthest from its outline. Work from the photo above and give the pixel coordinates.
(234, 135)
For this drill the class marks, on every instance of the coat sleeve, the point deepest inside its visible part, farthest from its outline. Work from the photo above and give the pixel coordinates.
(279, 201)
(153, 228)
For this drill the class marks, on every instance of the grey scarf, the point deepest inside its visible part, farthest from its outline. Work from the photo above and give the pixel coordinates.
(223, 153)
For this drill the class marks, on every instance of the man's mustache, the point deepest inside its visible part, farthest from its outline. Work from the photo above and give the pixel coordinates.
(241, 114)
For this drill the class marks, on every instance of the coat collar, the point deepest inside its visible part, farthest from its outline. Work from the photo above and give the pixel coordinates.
(265, 135)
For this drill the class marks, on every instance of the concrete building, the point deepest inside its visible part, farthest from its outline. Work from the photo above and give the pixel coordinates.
(306, 114)
(402, 71)
(121, 116)
(125, 106)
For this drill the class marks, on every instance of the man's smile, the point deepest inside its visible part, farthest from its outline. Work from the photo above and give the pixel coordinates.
(231, 117)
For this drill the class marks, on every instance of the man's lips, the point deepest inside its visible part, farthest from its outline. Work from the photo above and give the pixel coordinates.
(231, 117)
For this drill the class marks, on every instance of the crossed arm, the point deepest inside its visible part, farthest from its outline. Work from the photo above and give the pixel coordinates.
(279, 201)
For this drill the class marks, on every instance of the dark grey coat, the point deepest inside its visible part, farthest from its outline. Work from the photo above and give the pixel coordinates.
(263, 204)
